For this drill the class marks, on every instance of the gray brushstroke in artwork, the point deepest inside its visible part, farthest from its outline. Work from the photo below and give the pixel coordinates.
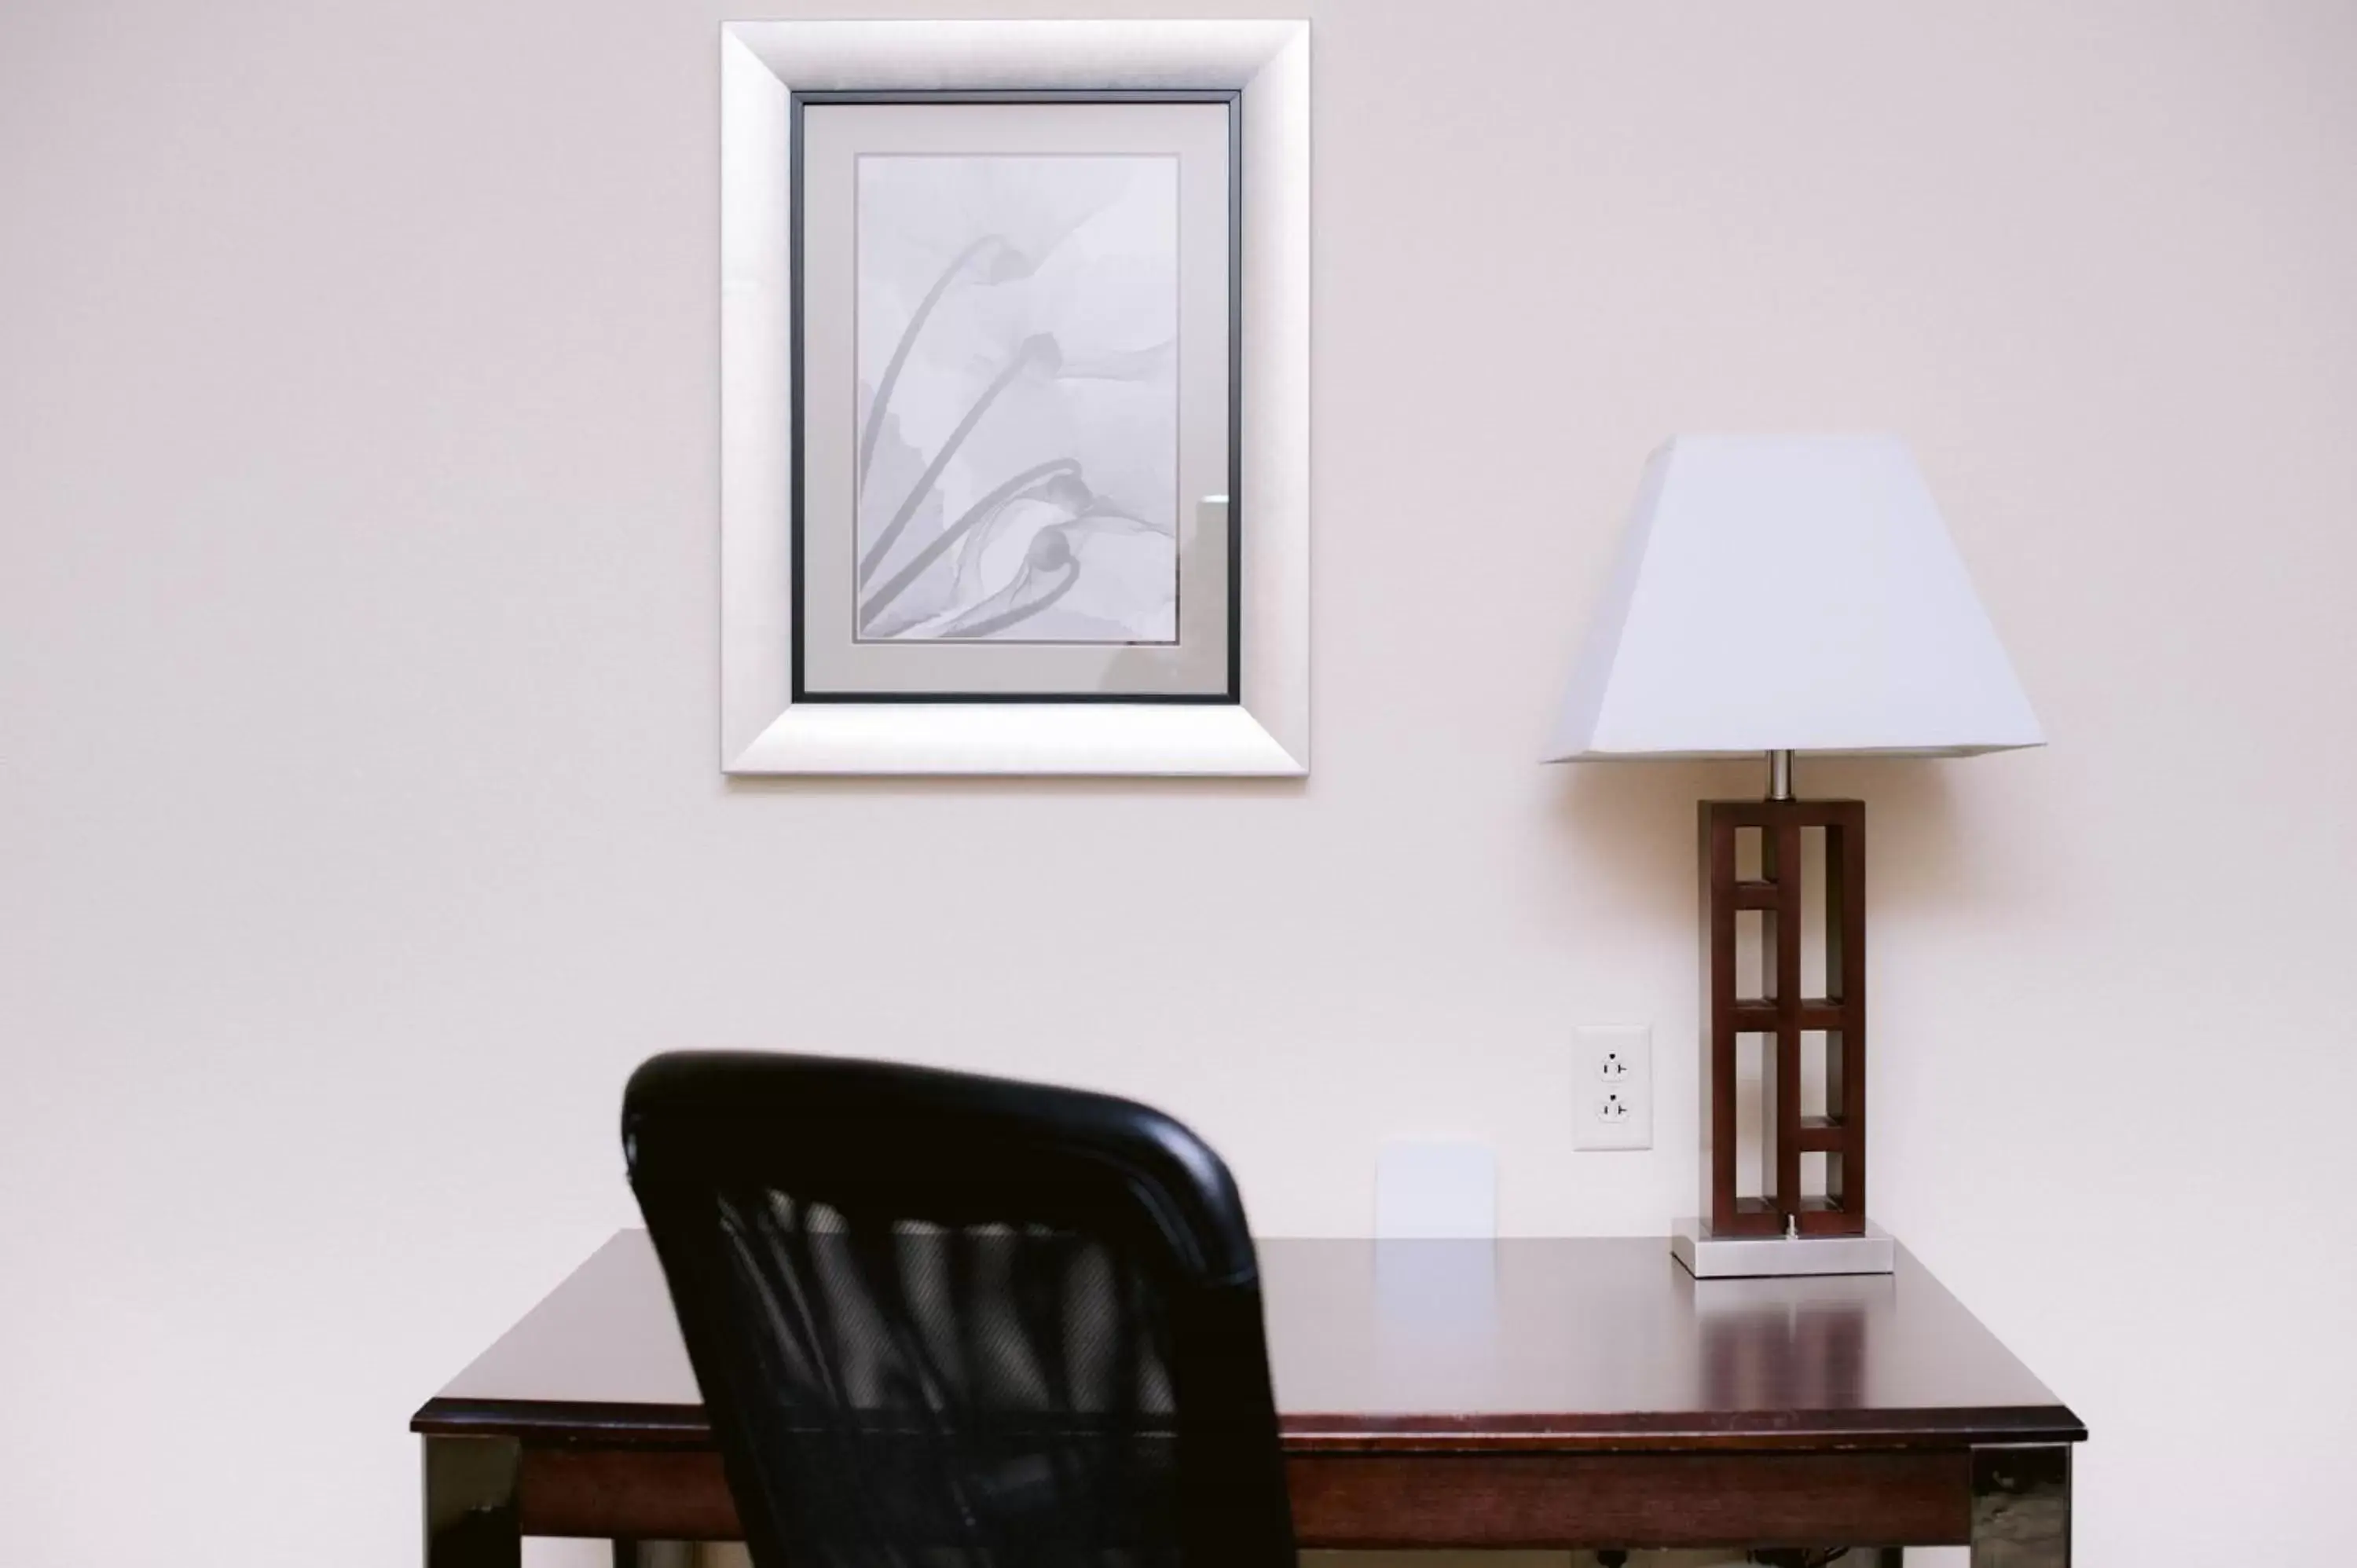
(1018, 399)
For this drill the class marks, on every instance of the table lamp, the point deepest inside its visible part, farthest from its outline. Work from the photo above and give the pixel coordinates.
(1777, 594)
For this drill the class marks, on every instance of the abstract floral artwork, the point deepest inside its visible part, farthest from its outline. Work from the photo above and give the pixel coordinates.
(1018, 406)
(1015, 391)
(1016, 432)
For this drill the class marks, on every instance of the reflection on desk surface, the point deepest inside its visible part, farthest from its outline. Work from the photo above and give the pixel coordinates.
(1554, 1336)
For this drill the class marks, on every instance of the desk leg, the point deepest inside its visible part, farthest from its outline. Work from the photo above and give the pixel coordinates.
(2022, 1508)
(471, 1503)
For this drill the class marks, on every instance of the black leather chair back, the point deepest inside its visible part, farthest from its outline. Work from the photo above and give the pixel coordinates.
(944, 1321)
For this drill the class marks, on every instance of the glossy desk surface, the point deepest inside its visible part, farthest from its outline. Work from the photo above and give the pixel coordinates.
(1553, 1345)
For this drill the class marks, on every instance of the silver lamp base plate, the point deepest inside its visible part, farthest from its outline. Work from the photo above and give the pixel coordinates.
(1709, 1257)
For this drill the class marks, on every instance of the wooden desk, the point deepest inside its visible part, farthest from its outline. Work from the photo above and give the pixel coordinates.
(1546, 1393)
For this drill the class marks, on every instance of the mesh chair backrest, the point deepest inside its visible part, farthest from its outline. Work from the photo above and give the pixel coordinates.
(943, 1321)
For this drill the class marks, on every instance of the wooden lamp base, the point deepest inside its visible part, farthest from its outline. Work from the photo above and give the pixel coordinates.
(1781, 1212)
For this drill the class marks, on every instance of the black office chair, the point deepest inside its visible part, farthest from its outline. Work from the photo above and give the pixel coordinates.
(943, 1321)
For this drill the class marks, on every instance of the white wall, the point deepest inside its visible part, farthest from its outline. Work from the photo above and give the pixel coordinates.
(359, 827)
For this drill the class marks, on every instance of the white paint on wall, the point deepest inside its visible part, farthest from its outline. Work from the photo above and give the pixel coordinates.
(359, 828)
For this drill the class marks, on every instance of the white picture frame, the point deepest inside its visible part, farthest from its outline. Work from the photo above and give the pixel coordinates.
(763, 730)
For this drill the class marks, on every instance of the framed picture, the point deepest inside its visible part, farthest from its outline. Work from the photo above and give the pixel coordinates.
(1015, 328)
(1015, 397)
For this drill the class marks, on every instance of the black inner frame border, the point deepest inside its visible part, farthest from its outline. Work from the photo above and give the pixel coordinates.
(1233, 99)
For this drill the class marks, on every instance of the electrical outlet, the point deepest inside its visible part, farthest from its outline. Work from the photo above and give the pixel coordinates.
(1612, 1092)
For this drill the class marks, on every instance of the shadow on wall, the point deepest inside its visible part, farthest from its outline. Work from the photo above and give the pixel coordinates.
(1630, 827)
(921, 785)
(1625, 831)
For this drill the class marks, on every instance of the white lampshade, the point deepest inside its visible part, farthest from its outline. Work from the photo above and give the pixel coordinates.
(1789, 593)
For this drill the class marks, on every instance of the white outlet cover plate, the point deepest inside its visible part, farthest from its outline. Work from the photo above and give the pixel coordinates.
(1612, 1060)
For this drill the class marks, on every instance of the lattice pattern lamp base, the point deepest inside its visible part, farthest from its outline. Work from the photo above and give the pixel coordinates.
(1783, 1228)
